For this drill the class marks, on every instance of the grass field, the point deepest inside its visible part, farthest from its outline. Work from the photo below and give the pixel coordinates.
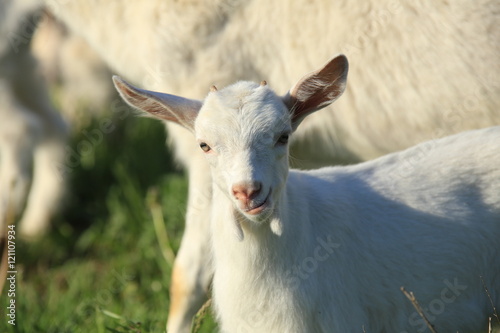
(102, 267)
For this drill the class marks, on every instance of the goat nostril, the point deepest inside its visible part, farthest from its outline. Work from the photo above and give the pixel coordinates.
(240, 192)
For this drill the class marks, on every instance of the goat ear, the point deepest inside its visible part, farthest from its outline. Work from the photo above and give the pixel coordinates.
(180, 110)
(317, 90)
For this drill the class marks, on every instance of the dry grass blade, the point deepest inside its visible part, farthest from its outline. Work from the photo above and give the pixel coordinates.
(495, 313)
(417, 307)
(200, 315)
(159, 225)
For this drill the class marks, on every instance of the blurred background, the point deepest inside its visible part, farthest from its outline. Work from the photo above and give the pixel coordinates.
(105, 263)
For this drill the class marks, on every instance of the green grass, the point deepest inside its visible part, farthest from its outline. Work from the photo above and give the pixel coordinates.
(102, 268)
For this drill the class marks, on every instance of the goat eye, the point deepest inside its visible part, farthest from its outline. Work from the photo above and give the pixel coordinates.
(283, 139)
(205, 147)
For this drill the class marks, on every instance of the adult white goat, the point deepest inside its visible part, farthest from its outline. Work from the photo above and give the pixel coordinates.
(328, 250)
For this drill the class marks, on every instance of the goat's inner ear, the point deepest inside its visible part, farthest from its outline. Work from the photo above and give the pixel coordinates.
(317, 90)
(180, 110)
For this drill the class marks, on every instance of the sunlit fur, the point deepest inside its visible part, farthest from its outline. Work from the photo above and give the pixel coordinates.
(424, 69)
(427, 218)
(338, 243)
(245, 142)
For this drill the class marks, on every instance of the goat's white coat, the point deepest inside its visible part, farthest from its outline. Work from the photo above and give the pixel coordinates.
(427, 218)
(439, 59)
(434, 230)
(68, 62)
(32, 133)
(34, 160)
(426, 69)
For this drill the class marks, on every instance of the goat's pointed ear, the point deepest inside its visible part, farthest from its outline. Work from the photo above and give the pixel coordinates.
(317, 90)
(180, 110)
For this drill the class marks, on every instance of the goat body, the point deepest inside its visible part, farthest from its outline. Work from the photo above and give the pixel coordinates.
(328, 250)
(352, 236)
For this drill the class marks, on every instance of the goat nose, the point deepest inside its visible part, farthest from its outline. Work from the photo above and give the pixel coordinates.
(246, 191)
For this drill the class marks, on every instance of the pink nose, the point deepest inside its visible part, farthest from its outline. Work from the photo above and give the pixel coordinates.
(246, 191)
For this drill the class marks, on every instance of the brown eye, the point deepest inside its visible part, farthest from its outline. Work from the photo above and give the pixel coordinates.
(283, 140)
(205, 147)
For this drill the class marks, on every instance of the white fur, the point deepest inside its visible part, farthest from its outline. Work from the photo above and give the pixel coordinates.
(435, 232)
(33, 160)
(69, 63)
(32, 133)
(426, 69)
(332, 247)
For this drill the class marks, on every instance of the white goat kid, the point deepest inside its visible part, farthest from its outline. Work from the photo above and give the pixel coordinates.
(328, 250)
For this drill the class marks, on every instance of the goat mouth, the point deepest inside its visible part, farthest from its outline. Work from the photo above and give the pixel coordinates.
(259, 207)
